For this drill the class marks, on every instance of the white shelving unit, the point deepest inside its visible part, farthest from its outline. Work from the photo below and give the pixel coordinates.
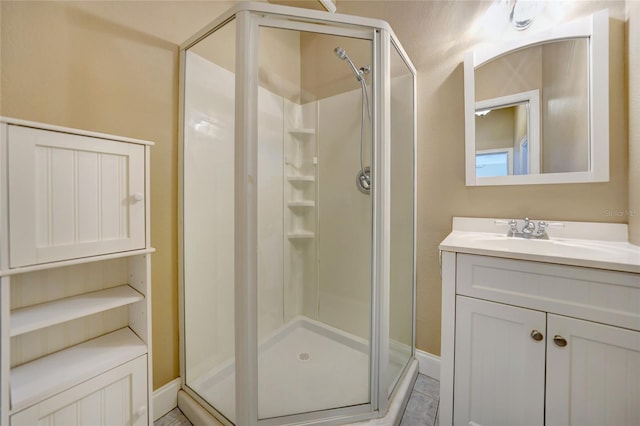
(75, 278)
(42, 378)
(32, 318)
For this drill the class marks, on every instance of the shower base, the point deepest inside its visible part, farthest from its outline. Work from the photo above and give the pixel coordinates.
(304, 366)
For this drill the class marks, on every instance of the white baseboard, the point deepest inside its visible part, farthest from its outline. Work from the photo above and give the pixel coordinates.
(429, 364)
(165, 398)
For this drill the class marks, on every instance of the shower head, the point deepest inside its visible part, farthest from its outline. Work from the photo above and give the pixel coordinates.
(342, 54)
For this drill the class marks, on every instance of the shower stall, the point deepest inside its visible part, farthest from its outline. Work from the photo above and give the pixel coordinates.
(297, 218)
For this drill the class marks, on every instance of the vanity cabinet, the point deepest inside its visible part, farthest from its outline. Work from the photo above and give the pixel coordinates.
(533, 343)
(75, 277)
(499, 375)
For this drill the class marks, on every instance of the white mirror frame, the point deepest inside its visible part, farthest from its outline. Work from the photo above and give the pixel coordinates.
(596, 29)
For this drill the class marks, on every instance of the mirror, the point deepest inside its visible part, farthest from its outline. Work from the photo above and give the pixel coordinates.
(537, 110)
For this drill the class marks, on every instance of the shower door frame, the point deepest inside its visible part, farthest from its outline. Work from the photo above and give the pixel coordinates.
(248, 21)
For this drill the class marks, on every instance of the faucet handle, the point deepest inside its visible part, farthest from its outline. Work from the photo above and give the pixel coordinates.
(542, 226)
(512, 223)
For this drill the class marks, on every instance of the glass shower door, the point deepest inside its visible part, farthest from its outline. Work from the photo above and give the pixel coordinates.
(314, 226)
(208, 215)
(402, 218)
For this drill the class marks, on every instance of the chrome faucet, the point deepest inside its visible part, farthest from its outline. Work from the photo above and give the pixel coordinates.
(528, 229)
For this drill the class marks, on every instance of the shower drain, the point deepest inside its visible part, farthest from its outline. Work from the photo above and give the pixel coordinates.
(304, 356)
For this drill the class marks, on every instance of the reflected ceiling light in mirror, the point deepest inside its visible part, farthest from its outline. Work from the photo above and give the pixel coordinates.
(483, 112)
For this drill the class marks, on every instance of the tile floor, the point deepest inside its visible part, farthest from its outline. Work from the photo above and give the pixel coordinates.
(422, 408)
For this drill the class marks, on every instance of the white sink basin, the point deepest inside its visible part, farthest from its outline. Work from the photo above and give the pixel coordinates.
(597, 253)
(551, 247)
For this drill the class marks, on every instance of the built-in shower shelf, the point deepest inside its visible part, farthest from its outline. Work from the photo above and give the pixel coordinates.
(301, 179)
(301, 204)
(301, 235)
(32, 318)
(301, 131)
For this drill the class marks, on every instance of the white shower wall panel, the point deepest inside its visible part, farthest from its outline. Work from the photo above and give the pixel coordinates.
(345, 220)
(209, 214)
(270, 212)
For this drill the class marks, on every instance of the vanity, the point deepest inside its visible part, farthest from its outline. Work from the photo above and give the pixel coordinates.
(540, 331)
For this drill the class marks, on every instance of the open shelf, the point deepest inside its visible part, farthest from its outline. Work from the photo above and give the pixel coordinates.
(37, 380)
(301, 131)
(301, 235)
(301, 204)
(301, 179)
(32, 318)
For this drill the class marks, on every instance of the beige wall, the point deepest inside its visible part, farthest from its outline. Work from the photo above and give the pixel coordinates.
(496, 129)
(496, 78)
(323, 73)
(633, 71)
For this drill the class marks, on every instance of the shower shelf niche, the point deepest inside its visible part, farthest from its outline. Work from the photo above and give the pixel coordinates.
(302, 180)
(302, 131)
(302, 204)
(301, 235)
(301, 195)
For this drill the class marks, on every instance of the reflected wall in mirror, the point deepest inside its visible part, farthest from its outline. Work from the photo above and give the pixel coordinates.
(536, 110)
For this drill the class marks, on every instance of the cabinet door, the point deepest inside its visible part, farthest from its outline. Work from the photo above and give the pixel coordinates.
(117, 397)
(499, 367)
(73, 196)
(595, 378)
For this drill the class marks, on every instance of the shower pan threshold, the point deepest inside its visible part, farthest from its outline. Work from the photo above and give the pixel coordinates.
(297, 363)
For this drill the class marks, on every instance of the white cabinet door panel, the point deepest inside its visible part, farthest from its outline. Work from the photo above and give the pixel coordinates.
(594, 379)
(73, 196)
(117, 397)
(499, 376)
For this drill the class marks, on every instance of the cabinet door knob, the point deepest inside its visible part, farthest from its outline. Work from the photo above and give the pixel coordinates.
(559, 341)
(536, 335)
(138, 196)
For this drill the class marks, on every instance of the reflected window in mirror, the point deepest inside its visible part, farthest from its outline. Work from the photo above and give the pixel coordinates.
(494, 162)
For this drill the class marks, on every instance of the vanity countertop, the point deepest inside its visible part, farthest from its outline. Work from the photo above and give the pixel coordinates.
(593, 245)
